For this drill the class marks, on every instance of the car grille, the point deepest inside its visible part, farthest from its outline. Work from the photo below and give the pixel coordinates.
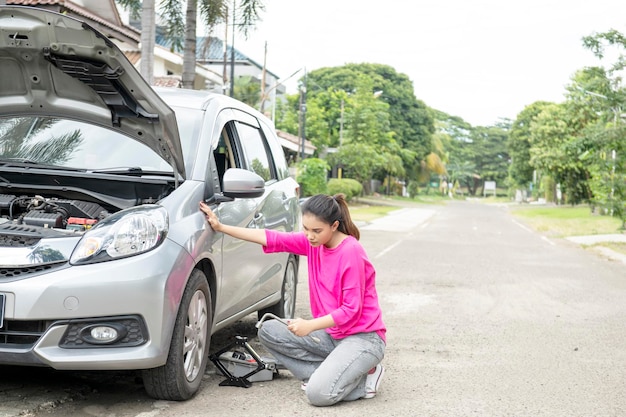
(22, 334)
(13, 273)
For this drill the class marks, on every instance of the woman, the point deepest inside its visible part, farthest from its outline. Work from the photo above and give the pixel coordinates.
(336, 354)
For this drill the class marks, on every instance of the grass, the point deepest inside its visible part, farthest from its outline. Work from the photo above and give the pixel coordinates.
(366, 213)
(563, 221)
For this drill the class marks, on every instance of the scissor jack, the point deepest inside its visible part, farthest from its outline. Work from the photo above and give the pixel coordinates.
(240, 357)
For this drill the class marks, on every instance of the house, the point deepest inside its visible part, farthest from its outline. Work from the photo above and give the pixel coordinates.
(104, 16)
(217, 55)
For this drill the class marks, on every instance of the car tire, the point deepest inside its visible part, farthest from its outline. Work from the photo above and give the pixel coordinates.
(180, 377)
(286, 307)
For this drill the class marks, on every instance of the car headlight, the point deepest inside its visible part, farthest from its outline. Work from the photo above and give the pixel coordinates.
(125, 233)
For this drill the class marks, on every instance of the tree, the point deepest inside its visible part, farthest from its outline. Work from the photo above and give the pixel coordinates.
(247, 91)
(602, 87)
(518, 145)
(359, 161)
(410, 119)
(490, 154)
(182, 31)
(555, 151)
(312, 174)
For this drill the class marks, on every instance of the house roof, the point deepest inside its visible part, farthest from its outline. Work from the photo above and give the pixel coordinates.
(294, 143)
(103, 12)
(211, 50)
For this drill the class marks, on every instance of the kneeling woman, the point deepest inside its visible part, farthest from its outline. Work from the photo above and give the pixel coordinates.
(336, 354)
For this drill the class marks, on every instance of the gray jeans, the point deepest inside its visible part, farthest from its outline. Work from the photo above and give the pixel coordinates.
(335, 370)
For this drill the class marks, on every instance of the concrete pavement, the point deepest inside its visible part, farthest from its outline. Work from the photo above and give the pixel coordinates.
(596, 242)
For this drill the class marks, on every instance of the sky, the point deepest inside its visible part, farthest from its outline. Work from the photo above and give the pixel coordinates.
(481, 60)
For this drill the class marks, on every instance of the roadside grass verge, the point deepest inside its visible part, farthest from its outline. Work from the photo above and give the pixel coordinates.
(366, 213)
(565, 221)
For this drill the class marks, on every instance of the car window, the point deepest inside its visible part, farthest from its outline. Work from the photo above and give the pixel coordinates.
(255, 151)
(72, 144)
(280, 162)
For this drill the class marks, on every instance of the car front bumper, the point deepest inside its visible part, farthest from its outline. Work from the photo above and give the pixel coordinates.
(145, 290)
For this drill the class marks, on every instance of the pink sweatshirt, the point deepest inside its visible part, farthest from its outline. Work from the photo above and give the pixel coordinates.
(341, 282)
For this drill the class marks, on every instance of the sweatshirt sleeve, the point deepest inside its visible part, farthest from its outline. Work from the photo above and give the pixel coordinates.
(292, 242)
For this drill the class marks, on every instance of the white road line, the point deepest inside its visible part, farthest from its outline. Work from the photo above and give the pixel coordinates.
(388, 249)
(522, 226)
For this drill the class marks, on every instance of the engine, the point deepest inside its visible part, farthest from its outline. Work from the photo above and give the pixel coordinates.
(51, 213)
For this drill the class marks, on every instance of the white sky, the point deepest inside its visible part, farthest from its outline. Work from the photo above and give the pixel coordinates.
(480, 59)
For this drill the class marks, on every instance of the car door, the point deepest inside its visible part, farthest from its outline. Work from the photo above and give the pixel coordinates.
(249, 276)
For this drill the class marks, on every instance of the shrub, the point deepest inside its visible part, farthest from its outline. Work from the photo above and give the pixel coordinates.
(312, 173)
(351, 188)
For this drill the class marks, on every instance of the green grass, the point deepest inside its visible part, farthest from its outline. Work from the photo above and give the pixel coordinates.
(366, 213)
(616, 246)
(563, 221)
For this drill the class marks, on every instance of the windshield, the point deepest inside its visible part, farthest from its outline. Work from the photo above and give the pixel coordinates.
(72, 144)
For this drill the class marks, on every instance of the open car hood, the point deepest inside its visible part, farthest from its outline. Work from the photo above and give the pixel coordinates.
(55, 65)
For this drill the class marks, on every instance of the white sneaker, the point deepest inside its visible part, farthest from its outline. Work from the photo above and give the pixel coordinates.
(372, 381)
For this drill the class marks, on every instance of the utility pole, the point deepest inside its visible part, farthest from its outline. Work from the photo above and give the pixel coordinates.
(225, 53)
(263, 76)
(303, 115)
(232, 57)
(341, 125)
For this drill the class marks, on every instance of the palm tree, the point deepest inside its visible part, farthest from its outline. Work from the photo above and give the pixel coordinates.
(182, 31)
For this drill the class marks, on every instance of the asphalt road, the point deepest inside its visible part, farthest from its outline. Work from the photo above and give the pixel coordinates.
(484, 317)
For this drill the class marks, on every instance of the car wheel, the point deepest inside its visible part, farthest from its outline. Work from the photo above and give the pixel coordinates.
(286, 307)
(180, 378)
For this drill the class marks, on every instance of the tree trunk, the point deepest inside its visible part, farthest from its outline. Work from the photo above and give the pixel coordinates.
(189, 55)
(148, 28)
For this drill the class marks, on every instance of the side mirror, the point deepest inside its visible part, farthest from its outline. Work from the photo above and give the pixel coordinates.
(241, 183)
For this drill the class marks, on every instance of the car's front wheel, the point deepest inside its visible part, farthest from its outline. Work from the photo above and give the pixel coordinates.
(180, 377)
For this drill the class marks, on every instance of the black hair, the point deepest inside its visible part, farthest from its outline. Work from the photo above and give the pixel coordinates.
(330, 209)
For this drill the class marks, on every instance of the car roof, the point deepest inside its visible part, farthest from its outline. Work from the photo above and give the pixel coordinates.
(202, 99)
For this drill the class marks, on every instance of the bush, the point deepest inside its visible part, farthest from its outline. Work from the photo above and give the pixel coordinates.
(351, 188)
(414, 189)
(312, 173)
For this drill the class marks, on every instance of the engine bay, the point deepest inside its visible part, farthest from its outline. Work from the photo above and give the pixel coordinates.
(52, 213)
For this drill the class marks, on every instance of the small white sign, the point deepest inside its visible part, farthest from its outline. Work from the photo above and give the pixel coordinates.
(489, 186)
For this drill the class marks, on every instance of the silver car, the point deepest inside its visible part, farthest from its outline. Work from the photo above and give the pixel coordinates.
(106, 261)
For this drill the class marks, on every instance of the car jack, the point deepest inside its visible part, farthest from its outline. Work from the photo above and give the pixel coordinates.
(241, 361)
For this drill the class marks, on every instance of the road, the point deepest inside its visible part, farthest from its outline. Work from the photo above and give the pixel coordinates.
(485, 318)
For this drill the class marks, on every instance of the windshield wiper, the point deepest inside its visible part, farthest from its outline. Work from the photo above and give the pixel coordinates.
(19, 161)
(25, 162)
(133, 171)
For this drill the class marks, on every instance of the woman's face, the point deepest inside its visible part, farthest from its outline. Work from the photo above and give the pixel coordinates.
(317, 231)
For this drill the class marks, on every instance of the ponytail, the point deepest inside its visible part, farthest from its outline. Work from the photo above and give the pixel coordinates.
(331, 209)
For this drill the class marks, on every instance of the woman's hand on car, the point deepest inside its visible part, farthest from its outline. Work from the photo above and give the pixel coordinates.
(210, 216)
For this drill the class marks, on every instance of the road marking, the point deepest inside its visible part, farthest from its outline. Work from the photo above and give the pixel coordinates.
(388, 249)
(522, 226)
